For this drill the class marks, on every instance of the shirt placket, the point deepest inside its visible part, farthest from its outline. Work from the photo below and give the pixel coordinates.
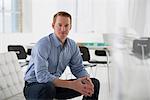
(60, 65)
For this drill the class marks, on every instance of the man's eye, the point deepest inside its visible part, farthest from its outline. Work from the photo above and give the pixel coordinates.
(59, 25)
(66, 25)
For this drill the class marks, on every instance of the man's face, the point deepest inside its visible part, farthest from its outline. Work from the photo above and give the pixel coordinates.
(61, 27)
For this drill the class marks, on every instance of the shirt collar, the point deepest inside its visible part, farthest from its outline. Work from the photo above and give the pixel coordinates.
(57, 43)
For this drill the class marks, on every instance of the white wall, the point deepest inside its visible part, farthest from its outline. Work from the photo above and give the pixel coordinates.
(41, 15)
(43, 12)
(89, 16)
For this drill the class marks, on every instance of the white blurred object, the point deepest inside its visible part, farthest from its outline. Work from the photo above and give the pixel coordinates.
(131, 77)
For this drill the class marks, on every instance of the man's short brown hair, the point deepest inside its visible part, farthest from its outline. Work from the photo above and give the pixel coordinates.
(62, 13)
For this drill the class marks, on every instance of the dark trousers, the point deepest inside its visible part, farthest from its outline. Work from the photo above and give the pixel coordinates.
(47, 91)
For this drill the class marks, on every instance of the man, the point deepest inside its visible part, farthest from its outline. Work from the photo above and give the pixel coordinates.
(49, 58)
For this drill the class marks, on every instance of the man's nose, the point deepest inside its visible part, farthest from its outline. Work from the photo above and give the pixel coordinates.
(63, 29)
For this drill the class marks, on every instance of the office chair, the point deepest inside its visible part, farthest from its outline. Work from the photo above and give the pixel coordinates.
(105, 53)
(29, 51)
(20, 52)
(141, 48)
(86, 56)
(92, 63)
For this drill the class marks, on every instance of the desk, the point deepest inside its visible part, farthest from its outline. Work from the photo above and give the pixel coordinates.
(90, 45)
(95, 45)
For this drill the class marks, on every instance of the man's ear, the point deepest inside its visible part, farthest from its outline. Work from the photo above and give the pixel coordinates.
(53, 25)
(70, 26)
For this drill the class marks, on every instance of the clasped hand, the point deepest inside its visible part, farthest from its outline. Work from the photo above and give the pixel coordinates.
(84, 85)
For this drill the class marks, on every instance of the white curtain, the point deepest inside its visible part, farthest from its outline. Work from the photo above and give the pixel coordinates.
(147, 21)
(138, 16)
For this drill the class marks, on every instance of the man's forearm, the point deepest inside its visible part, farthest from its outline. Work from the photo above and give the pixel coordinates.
(63, 83)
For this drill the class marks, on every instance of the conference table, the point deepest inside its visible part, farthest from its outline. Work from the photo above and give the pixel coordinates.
(95, 45)
(90, 45)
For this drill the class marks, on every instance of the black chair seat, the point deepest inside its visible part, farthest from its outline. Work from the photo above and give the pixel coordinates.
(98, 62)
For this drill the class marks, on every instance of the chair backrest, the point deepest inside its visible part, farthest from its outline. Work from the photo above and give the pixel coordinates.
(137, 46)
(84, 53)
(11, 76)
(100, 53)
(19, 49)
(29, 51)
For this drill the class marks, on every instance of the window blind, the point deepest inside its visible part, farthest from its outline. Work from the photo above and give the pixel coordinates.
(10, 16)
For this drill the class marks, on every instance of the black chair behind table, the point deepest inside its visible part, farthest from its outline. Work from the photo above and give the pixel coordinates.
(106, 53)
(86, 56)
(141, 48)
(29, 51)
(92, 63)
(103, 53)
(20, 52)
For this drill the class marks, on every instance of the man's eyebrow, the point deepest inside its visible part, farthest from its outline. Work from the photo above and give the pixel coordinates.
(67, 24)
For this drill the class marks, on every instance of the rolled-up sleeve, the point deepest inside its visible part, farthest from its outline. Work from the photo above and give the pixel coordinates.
(41, 65)
(76, 64)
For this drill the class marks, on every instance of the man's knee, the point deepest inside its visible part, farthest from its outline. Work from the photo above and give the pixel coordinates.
(96, 90)
(96, 83)
(40, 91)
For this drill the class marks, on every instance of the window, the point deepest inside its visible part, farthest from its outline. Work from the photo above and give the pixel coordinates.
(10, 16)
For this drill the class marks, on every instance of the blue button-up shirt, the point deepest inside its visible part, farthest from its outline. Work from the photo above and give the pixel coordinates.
(49, 60)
